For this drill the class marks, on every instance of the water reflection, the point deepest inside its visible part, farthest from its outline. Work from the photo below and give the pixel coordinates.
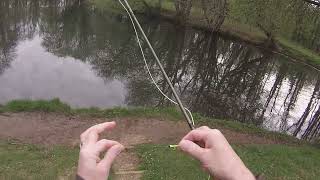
(36, 74)
(92, 60)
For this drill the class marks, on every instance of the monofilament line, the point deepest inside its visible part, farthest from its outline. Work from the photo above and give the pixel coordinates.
(186, 112)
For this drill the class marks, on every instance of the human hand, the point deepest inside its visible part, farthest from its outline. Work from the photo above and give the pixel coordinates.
(90, 166)
(216, 155)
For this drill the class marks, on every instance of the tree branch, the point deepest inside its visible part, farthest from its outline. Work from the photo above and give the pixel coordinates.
(314, 2)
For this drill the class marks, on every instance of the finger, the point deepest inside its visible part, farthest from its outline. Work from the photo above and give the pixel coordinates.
(192, 149)
(203, 128)
(112, 153)
(196, 135)
(104, 145)
(98, 126)
(92, 134)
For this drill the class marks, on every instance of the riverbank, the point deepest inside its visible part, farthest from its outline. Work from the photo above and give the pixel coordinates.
(46, 133)
(168, 113)
(230, 28)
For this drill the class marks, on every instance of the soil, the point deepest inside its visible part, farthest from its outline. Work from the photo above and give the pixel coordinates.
(55, 129)
(51, 129)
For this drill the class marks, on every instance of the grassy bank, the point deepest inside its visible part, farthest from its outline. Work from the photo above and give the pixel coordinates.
(56, 106)
(23, 161)
(231, 28)
(271, 161)
(164, 113)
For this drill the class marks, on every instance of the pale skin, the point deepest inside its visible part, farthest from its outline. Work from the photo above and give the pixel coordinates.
(215, 154)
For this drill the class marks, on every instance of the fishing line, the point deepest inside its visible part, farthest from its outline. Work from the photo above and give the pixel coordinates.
(186, 112)
(183, 109)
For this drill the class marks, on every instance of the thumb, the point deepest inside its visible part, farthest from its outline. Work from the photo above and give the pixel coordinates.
(192, 149)
(110, 156)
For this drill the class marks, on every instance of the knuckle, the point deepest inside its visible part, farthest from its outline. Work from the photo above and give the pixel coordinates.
(196, 131)
(193, 131)
(216, 132)
(103, 141)
(205, 127)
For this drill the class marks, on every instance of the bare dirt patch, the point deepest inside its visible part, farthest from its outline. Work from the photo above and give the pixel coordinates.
(53, 129)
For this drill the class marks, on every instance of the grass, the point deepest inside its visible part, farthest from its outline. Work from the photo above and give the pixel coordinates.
(243, 32)
(161, 162)
(164, 113)
(23, 161)
(273, 161)
(282, 162)
(230, 27)
(56, 106)
(295, 50)
(249, 129)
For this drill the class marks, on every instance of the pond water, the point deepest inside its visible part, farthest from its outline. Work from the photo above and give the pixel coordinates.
(87, 58)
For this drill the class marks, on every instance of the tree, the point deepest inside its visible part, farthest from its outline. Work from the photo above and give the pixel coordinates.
(183, 9)
(214, 12)
(313, 2)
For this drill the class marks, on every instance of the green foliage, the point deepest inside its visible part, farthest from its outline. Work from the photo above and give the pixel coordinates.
(57, 106)
(292, 19)
(273, 161)
(299, 51)
(264, 13)
(167, 113)
(115, 7)
(54, 105)
(22, 161)
(137, 5)
(289, 21)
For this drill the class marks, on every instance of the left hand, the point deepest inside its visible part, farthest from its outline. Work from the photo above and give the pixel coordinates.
(90, 166)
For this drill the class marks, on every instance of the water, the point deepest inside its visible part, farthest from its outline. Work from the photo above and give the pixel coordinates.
(87, 58)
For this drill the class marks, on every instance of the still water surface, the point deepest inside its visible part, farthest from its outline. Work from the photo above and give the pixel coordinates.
(88, 58)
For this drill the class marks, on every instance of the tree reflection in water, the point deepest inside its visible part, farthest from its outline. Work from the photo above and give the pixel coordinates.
(215, 76)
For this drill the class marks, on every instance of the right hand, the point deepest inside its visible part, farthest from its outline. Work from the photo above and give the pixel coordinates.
(216, 155)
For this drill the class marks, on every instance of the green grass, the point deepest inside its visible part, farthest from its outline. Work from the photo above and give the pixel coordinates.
(273, 161)
(282, 162)
(23, 161)
(243, 32)
(161, 162)
(56, 106)
(250, 129)
(294, 50)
